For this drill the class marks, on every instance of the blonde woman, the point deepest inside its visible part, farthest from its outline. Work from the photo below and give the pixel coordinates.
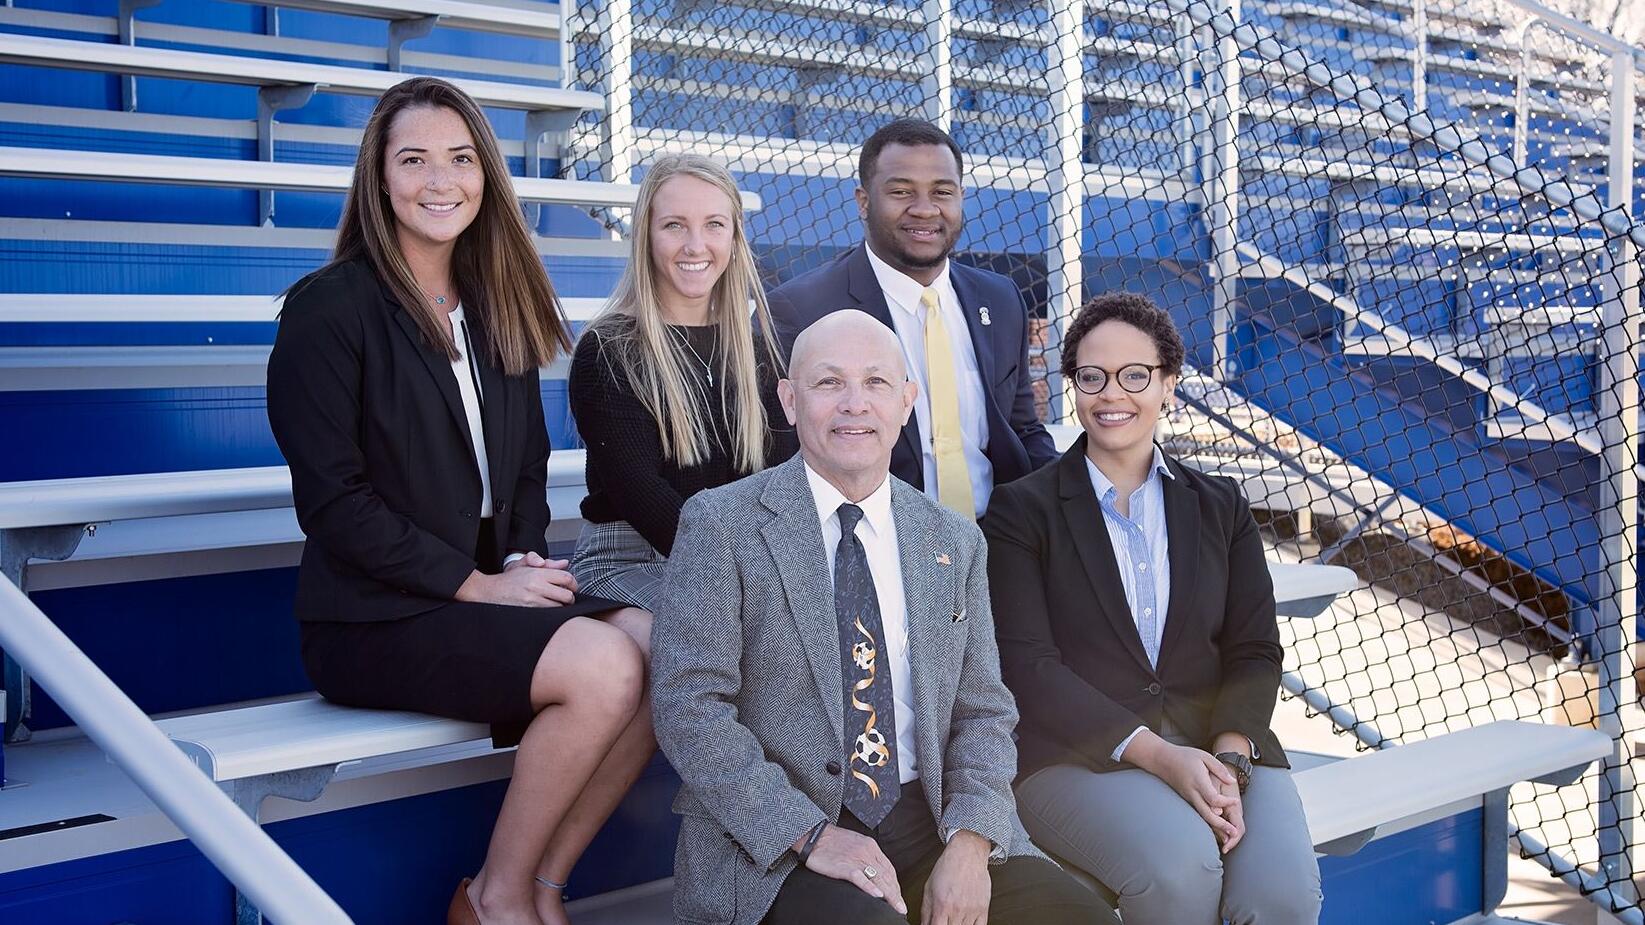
(674, 384)
(403, 391)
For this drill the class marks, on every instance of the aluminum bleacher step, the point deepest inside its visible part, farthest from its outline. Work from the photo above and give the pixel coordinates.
(541, 23)
(47, 163)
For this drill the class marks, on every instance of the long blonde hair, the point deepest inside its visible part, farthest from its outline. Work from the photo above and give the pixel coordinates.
(633, 336)
(494, 267)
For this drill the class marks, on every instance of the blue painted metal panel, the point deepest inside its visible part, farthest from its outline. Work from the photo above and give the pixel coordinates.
(1427, 875)
(90, 433)
(183, 643)
(392, 863)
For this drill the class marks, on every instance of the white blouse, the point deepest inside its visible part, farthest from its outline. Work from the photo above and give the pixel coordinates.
(468, 385)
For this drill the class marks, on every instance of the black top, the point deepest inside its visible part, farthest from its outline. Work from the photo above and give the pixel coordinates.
(383, 476)
(628, 478)
(1069, 648)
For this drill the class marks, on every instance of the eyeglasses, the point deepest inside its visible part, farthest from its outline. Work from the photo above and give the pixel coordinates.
(1133, 378)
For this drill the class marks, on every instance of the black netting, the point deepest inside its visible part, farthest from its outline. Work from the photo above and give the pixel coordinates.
(1400, 350)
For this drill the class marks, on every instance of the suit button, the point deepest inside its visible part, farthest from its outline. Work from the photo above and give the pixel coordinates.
(467, 515)
(1154, 689)
(502, 506)
(833, 767)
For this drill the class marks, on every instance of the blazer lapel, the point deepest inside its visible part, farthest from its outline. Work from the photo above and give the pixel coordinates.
(864, 287)
(1090, 532)
(971, 308)
(1182, 527)
(928, 590)
(440, 368)
(794, 537)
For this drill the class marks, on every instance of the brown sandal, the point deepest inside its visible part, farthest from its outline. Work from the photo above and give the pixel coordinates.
(461, 911)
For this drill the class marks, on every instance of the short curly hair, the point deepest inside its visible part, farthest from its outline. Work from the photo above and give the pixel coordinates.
(1139, 312)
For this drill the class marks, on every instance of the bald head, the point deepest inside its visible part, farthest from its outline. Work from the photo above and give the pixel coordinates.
(849, 332)
(848, 396)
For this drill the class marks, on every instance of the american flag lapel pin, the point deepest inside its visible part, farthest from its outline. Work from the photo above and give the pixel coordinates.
(982, 315)
(942, 559)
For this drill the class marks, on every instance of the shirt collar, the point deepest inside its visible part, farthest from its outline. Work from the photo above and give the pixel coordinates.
(902, 290)
(1103, 485)
(876, 508)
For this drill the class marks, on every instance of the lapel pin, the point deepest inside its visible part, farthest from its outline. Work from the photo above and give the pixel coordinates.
(982, 315)
(942, 559)
(959, 616)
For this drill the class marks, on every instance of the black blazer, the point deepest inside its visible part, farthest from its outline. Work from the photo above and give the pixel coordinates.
(382, 469)
(1017, 441)
(1069, 648)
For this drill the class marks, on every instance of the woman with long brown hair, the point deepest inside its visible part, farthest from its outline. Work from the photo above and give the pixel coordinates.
(674, 385)
(403, 391)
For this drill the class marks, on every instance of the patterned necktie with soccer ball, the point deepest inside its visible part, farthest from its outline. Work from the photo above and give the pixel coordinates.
(872, 786)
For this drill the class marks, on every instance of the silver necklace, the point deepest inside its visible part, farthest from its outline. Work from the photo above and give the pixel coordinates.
(708, 370)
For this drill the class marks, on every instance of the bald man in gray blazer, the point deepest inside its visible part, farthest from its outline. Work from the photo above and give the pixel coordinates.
(826, 682)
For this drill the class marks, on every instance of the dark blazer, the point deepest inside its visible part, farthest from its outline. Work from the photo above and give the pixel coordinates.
(1017, 441)
(1069, 648)
(382, 468)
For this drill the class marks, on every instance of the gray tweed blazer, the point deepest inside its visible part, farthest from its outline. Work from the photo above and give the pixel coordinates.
(748, 696)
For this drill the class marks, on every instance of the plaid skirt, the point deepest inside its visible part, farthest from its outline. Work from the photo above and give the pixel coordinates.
(615, 562)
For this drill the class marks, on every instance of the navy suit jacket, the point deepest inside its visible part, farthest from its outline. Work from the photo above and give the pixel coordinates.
(1017, 441)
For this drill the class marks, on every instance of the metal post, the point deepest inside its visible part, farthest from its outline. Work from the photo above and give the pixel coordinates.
(615, 27)
(937, 86)
(1522, 94)
(1618, 505)
(1419, 58)
(568, 44)
(1065, 177)
(1221, 185)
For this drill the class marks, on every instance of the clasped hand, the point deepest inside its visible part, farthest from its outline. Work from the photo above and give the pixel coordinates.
(1200, 779)
(529, 582)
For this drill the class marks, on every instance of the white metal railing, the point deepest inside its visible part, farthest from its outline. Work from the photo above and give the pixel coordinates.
(239, 848)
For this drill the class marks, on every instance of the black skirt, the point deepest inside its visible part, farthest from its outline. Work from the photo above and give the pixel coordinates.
(462, 660)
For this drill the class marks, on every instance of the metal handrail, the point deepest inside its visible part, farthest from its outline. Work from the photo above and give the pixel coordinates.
(238, 847)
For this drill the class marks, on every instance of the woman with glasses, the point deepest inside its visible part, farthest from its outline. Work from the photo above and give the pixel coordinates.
(1136, 626)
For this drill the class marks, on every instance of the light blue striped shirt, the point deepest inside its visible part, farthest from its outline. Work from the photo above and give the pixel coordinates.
(1142, 552)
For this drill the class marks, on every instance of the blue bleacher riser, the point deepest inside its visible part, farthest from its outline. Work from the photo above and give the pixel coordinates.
(421, 845)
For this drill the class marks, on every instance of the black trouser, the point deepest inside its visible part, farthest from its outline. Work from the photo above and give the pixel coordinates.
(1025, 891)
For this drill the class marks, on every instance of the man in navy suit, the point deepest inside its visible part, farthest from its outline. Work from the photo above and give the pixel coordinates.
(964, 331)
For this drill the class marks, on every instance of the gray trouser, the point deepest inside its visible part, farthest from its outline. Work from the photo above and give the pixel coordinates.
(1132, 832)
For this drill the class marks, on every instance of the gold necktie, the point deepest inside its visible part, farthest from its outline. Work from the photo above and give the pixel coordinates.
(953, 476)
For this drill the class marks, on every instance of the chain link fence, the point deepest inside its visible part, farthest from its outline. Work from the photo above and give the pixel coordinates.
(1395, 236)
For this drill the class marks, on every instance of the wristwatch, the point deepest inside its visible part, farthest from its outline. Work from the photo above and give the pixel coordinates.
(1241, 766)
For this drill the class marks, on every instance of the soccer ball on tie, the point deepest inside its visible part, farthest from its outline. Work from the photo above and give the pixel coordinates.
(871, 751)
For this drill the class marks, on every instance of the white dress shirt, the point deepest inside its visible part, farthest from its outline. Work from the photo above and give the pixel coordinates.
(1146, 508)
(878, 535)
(902, 296)
(468, 386)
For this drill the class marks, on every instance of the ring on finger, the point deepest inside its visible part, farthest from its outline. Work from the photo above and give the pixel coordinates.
(870, 871)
